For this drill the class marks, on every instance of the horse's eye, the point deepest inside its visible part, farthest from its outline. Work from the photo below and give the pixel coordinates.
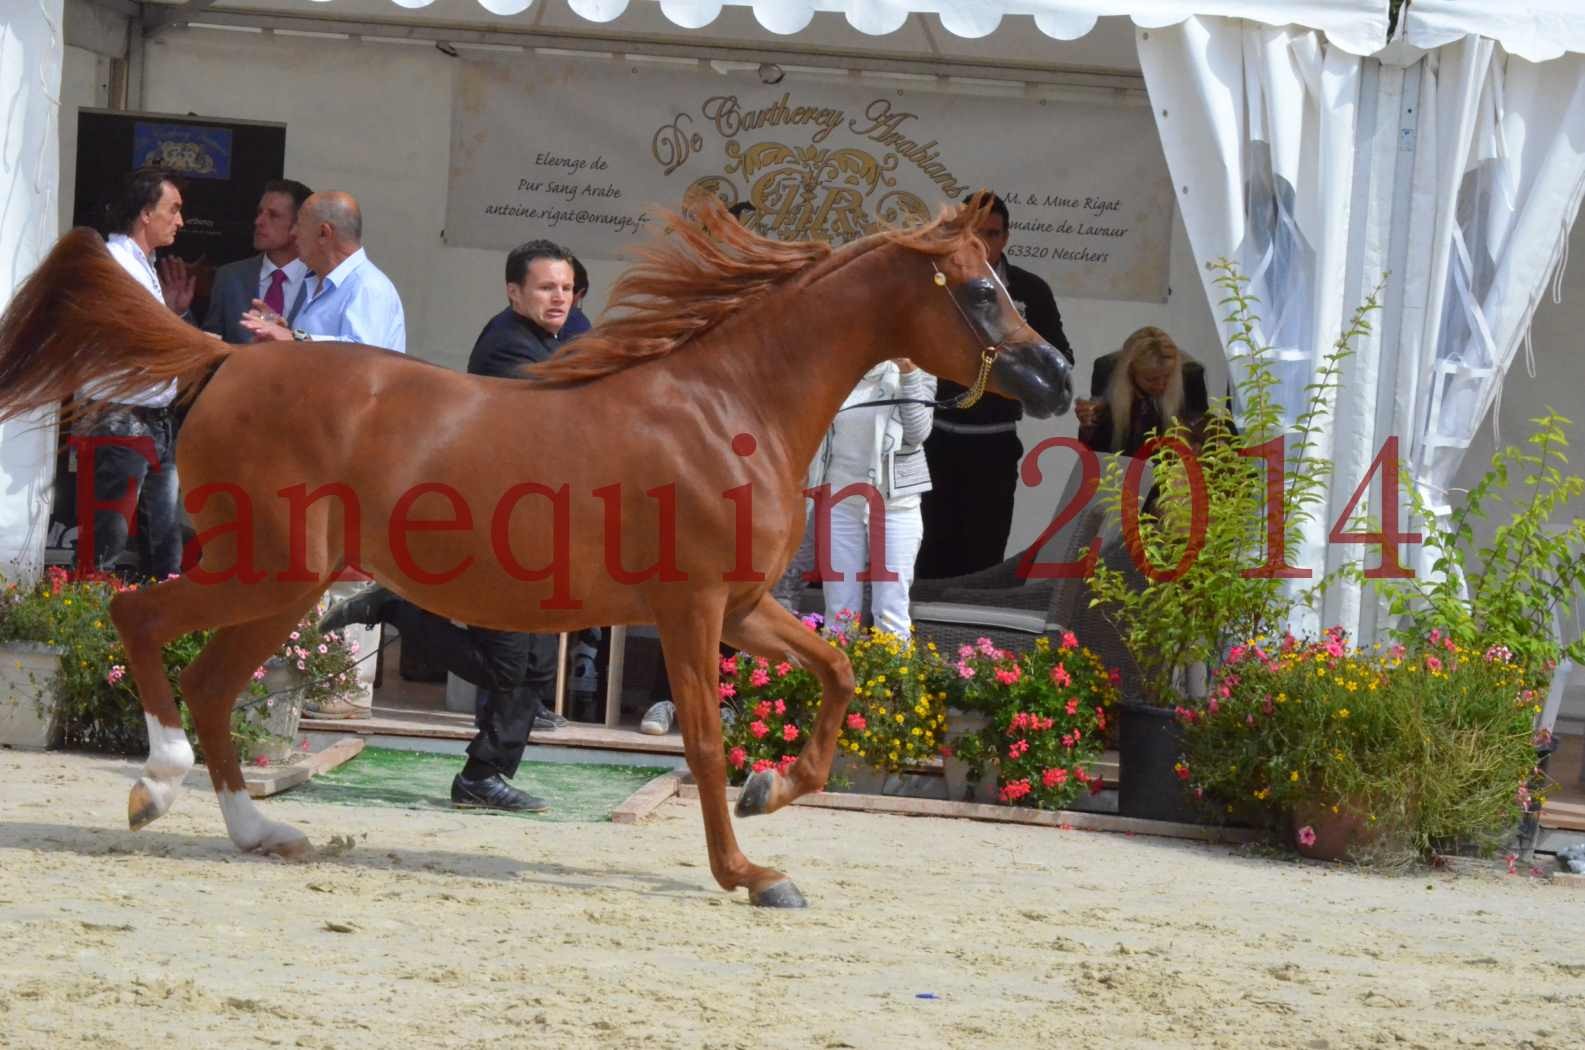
(982, 293)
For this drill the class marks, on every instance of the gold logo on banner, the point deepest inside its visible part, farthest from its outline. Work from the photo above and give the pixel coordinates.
(808, 192)
(814, 193)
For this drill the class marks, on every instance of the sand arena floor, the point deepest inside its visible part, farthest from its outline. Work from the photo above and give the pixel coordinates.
(442, 929)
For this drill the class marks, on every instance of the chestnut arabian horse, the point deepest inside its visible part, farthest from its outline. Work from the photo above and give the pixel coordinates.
(651, 473)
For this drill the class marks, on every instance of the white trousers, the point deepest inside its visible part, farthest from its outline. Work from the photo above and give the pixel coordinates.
(850, 555)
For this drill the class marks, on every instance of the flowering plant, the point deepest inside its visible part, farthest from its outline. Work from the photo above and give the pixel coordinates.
(1048, 714)
(97, 698)
(766, 710)
(898, 716)
(1427, 745)
(325, 663)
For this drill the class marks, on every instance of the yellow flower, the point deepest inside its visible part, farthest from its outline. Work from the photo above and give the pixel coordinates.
(1342, 712)
(1294, 775)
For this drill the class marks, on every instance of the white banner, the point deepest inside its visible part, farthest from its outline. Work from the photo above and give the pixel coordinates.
(581, 152)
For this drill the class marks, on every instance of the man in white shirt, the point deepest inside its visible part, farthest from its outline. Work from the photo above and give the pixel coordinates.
(276, 276)
(135, 471)
(349, 299)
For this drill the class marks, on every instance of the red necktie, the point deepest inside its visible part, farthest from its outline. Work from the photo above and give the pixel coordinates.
(275, 298)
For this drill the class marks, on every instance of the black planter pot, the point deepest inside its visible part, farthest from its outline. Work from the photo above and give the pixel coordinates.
(1149, 744)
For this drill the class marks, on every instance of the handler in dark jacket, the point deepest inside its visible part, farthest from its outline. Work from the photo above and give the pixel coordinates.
(515, 671)
(974, 452)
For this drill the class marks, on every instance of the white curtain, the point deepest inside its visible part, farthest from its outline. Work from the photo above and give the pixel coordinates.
(1457, 172)
(31, 49)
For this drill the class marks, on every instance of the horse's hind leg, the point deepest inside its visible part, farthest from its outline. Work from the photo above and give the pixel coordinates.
(210, 686)
(691, 647)
(771, 631)
(146, 620)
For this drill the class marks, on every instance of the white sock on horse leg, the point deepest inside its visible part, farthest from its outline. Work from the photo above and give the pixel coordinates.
(249, 828)
(170, 760)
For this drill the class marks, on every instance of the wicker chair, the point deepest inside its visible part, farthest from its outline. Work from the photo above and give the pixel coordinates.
(998, 604)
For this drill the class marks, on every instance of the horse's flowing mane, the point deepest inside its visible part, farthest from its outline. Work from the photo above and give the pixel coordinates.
(704, 270)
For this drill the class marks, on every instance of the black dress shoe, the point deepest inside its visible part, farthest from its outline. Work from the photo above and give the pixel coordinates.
(365, 607)
(493, 792)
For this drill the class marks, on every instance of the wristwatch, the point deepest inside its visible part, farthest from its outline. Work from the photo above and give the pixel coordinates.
(299, 335)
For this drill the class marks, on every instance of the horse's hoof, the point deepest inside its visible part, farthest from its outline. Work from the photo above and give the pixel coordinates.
(294, 850)
(142, 809)
(287, 844)
(781, 894)
(754, 799)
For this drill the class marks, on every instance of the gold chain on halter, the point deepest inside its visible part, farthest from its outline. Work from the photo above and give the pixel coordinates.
(977, 391)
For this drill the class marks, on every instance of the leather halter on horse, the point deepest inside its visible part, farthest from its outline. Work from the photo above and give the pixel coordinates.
(976, 391)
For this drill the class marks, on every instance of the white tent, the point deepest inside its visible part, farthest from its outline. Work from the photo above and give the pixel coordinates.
(1301, 144)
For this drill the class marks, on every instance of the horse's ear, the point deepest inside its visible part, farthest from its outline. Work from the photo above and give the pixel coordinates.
(976, 206)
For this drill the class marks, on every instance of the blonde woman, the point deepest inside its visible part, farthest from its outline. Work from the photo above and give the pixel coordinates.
(1138, 391)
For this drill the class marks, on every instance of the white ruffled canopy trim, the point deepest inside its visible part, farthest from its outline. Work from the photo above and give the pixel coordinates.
(1357, 26)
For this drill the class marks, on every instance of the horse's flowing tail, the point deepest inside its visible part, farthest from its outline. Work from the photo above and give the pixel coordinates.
(80, 318)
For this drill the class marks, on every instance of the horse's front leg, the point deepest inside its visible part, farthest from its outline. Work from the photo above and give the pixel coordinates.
(771, 631)
(691, 644)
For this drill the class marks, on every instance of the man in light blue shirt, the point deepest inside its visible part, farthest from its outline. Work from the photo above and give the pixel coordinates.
(349, 299)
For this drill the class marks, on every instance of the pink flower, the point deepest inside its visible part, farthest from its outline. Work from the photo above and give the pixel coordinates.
(1008, 675)
(856, 721)
(729, 666)
(762, 764)
(759, 729)
(727, 689)
(1212, 706)
(1114, 676)
(1097, 785)
(985, 646)
(1307, 836)
(1060, 675)
(783, 669)
(781, 706)
(1072, 707)
(785, 764)
(762, 709)
(1235, 654)
(789, 732)
(813, 621)
(1433, 664)
(759, 678)
(964, 670)
(304, 746)
(117, 672)
(1070, 640)
(323, 648)
(293, 636)
(737, 756)
(262, 761)
(1181, 769)
(1017, 748)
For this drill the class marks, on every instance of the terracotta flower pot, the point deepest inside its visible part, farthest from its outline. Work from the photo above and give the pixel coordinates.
(1320, 834)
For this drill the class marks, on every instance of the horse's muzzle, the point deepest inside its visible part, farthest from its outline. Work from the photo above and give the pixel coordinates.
(1037, 375)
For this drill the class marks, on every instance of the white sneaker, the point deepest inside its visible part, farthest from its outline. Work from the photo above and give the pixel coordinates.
(657, 720)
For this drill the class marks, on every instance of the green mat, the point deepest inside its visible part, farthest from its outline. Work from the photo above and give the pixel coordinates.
(420, 780)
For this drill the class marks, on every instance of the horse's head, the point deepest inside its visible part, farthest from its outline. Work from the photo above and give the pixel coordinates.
(979, 338)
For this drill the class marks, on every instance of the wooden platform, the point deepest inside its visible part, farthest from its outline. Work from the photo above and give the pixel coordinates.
(1565, 803)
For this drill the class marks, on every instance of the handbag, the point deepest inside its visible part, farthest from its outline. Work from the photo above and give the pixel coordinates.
(908, 473)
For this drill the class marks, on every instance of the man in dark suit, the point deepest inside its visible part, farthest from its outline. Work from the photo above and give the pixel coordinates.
(276, 275)
(974, 452)
(515, 671)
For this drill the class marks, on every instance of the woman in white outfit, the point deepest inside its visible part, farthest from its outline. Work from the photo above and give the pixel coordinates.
(883, 446)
